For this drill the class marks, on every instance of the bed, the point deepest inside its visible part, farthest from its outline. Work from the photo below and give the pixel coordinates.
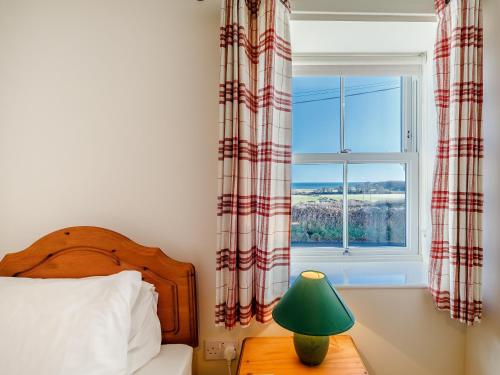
(82, 252)
(177, 358)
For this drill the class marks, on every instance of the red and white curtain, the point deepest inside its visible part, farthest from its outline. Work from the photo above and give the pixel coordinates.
(254, 202)
(457, 200)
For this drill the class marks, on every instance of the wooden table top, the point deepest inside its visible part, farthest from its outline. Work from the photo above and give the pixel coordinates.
(276, 356)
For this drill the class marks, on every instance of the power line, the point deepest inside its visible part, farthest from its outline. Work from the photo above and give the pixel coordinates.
(348, 88)
(338, 97)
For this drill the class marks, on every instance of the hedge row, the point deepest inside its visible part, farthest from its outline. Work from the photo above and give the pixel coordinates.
(380, 222)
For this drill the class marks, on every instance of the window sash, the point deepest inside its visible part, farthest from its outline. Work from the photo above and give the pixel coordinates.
(412, 214)
(410, 68)
(410, 87)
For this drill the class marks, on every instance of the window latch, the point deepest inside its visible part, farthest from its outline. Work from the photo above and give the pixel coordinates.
(345, 151)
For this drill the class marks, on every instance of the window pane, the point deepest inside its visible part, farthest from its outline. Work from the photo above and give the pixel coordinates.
(377, 205)
(373, 114)
(317, 205)
(316, 114)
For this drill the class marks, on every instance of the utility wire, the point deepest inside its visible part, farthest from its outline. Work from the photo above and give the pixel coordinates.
(348, 95)
(348, 88)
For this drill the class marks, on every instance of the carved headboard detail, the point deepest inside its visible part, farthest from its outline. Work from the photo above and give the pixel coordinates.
(90, 251)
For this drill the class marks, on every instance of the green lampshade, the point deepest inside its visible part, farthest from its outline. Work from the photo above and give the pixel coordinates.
(312, 307)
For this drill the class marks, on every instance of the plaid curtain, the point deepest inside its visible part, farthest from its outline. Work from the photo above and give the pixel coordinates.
(254, 202)
(457, 201)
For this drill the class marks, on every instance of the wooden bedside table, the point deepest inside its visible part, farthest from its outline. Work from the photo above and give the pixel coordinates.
(276, 356)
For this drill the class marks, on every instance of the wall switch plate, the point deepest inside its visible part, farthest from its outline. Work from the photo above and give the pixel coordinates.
(214, 348)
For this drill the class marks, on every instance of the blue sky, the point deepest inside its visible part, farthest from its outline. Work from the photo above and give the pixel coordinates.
(372, 124)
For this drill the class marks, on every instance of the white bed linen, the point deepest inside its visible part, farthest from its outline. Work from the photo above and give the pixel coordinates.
(145, 331)
(173, 359)
(66, 326)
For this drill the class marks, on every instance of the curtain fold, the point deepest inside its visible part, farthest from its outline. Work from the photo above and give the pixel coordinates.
(457, 199)
(254, 202)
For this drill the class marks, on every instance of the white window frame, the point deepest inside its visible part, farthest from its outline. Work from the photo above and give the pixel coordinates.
(410, 66)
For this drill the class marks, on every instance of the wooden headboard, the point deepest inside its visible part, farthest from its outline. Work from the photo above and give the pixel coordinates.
(90, 251)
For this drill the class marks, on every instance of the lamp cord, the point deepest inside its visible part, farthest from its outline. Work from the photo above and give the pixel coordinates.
(229, 355)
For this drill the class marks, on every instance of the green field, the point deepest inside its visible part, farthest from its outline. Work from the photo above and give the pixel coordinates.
(304, 198)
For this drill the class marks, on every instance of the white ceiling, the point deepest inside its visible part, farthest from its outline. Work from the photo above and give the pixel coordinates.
(351, 6)
(362, 6)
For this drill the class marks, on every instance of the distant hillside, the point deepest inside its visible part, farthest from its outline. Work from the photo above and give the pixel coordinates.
(378, 187)
(381, 187)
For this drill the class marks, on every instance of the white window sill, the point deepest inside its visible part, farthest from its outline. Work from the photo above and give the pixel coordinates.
(380, 274)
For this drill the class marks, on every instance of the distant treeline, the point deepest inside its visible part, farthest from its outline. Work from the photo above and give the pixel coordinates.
(383, 187)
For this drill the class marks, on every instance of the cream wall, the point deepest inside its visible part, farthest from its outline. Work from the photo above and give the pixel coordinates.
(483, 341)
(108, 117)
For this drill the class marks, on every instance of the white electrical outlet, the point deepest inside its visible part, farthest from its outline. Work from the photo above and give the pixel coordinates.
(214, 348)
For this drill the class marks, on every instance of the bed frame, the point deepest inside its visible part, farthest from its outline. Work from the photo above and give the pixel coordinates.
(90, 251)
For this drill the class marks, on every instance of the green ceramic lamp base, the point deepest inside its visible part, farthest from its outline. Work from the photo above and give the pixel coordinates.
(311, 349)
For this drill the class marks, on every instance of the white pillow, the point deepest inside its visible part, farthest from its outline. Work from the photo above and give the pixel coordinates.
(66, 326)
(145, 331)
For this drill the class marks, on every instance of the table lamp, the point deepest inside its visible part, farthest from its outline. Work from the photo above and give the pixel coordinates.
(313, 311)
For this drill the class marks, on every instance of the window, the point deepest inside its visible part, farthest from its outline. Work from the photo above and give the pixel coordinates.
(355, 160)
